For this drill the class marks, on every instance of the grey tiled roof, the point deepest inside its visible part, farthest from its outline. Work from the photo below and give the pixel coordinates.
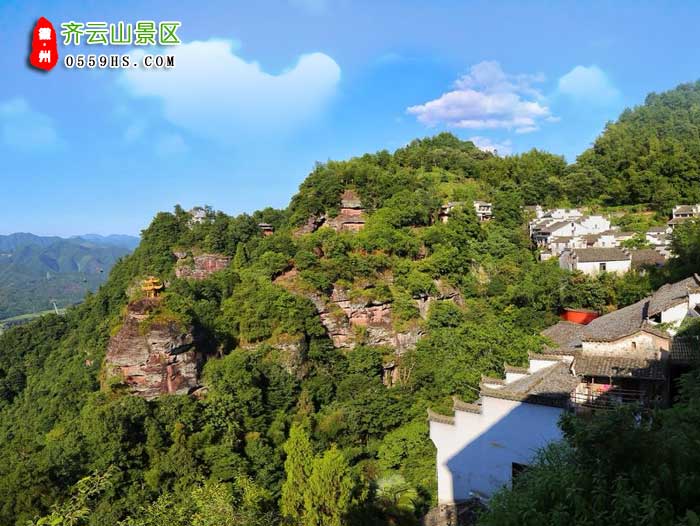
(614, 367)
(684, 209)
(679, 220)
(555, 226)
(646, 257)
(672, 294)
(565, 335)
(590, 255)
(685, 350)
(630, 319)
(549, 386)
(617, 324)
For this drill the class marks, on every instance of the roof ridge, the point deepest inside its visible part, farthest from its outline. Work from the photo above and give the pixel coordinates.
(460, 405)
(516, 369)
(492, 380)
(440, 418)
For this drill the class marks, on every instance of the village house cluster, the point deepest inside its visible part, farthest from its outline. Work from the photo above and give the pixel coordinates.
(630, 356)
(590, 244)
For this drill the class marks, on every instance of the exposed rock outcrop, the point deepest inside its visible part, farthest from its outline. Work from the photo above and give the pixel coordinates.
(311, 225)
(201, 266)
(152, 357)
(350, 322)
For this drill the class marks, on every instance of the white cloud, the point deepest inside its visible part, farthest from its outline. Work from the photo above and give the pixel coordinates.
(488, 98)
(171, 144)
(22, 128)
(487, 145)
(215, 93)
(588, 84)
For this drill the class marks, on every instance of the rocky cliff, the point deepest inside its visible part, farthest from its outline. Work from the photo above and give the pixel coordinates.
(201, 266)
(350, 322)
(151, 357)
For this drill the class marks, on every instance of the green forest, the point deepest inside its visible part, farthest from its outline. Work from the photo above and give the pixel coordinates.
(324, 442)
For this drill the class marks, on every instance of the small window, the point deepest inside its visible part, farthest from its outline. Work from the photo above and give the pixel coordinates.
(603, 267)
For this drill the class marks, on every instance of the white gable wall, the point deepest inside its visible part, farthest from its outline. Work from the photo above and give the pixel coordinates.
(593, 267)
(675, 314)
(475, 455)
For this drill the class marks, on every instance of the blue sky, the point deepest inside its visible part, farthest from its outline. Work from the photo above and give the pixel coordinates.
(263, 90)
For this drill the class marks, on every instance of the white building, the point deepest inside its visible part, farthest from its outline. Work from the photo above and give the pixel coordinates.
(198, 214)
(593, 261)
(484, 210)
(685, 211)
(562, 228)
(622, 357)
(682, 213)
(658, 235)
(480, 448)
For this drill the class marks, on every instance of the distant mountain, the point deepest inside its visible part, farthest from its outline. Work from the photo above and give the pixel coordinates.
(113, 240)
(36, 270)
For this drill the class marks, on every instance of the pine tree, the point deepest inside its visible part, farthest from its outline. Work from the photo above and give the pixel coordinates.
(298, 470)
(241, 258)
(330, 491)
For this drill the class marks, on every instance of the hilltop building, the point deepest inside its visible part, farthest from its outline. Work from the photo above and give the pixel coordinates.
(483, 209)
(266, 228)
(682, 213)
(198, 215)
(151, 287)
(629, 356)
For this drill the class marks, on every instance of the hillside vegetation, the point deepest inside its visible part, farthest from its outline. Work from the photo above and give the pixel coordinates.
(318, 440)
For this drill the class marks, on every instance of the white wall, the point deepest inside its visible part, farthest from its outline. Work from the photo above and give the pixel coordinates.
(475, 454)
(675, 314)
(593, 267)
(595, 224)
(640, 344)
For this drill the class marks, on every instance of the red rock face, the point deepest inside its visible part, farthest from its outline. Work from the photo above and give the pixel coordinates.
(154, 360)
(200, 267)
(349, 219)
(342, 316)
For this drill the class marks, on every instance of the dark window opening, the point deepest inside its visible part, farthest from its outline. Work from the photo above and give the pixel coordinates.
(517, 469)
